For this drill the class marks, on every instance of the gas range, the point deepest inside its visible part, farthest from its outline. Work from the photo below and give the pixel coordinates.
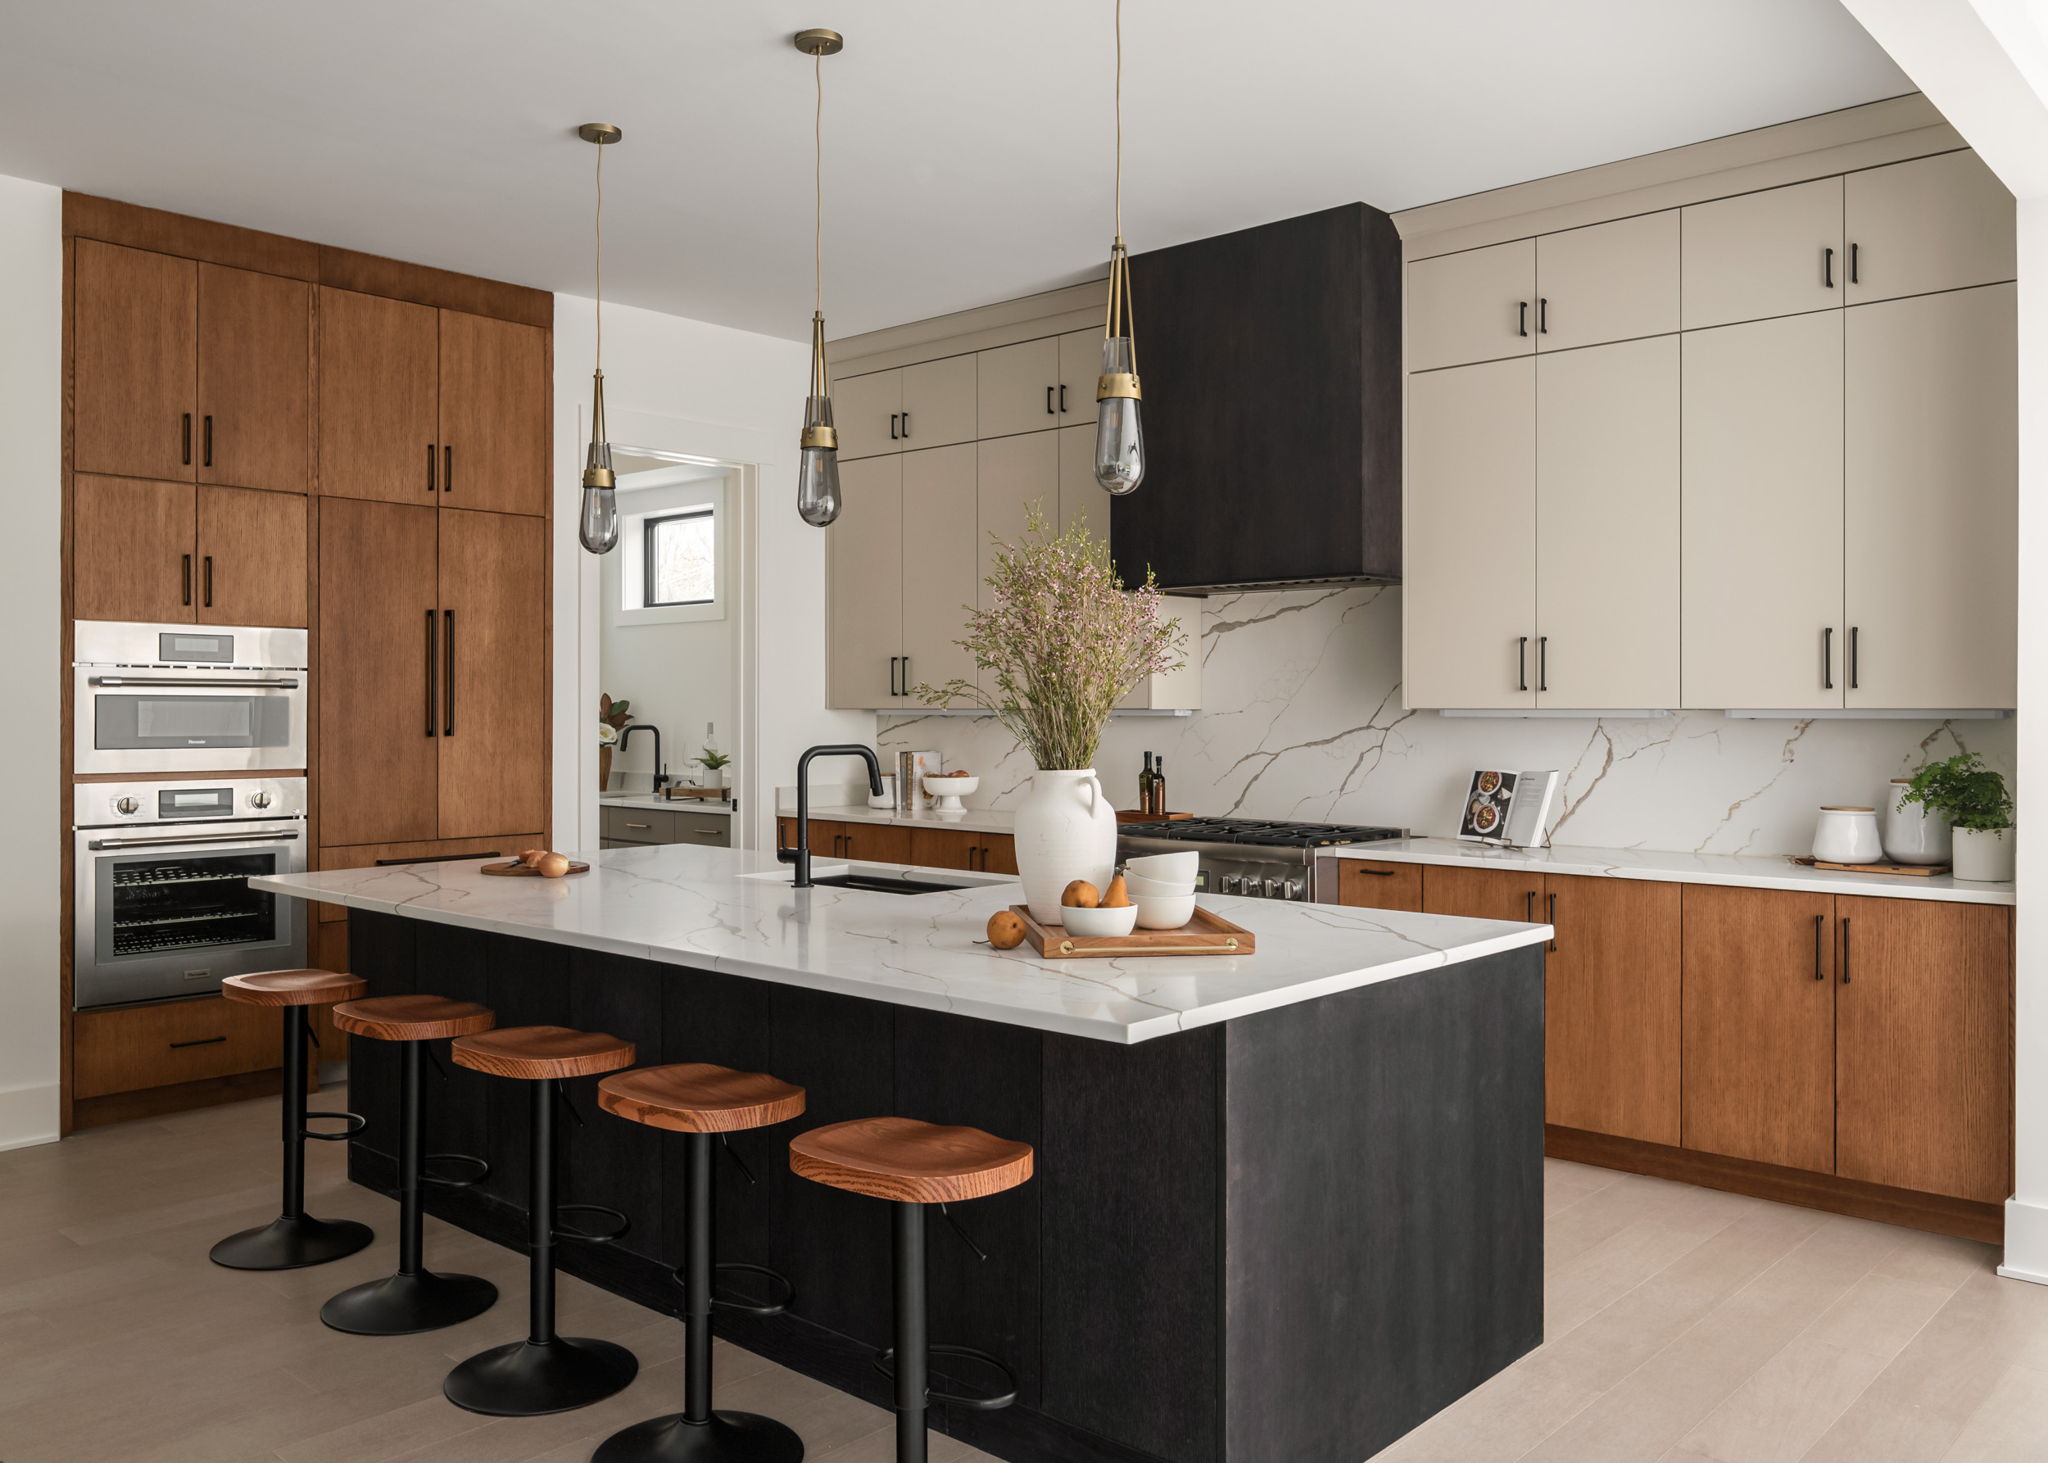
(1263, 857)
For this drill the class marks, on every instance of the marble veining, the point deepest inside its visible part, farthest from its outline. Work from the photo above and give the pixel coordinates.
(703, 908)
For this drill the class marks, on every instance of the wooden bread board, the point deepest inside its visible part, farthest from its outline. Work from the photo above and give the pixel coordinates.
(513, 869)
(1897, 871)
(1131, 815)
(1208, 933)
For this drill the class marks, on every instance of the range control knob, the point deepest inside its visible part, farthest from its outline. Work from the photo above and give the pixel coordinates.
(1292, 889)
(1272, 888)
(1232, 883)
(259, 799)
(127, 805)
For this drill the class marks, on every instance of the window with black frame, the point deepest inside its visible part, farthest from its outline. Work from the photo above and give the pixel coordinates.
(680, 558)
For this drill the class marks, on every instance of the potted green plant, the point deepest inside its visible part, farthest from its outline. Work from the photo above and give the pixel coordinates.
(1976, 802)
(714, 763)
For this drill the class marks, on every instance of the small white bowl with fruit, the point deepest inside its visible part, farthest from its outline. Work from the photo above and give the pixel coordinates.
(948, 788)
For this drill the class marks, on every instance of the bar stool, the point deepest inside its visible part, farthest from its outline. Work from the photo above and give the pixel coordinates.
(414, 1298)
(699, 1101)
(294, 1239)
(545, 1372)
(912, 1165)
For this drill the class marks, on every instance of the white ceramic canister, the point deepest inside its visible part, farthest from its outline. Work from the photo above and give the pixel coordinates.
(1984, 858)
(1065, 830)
(1912, 835)
(1847, 836)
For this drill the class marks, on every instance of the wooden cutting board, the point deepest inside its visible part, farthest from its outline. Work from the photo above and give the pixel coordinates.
(1900, 871)
(513, 869)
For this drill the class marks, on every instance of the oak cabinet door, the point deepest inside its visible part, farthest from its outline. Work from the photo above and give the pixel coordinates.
(494, 414)
(1017, 387)
(134, 351)
(379, 398)
(1762, 516)
(1508, 894)
(1607, 503)
(997, 853)
(1611, 281)
(1469, 583)
(493, 767)
(132, 550)
(1612, 1007)
(943, 848)
(867, 413)
(939, 581)
(1934, 223)
(1778, 252)
(875, 843)
(1080, 373)
(1759, 1023)
(377, 673)
(939, 402)
(252, 557)
(1930, 490)
(255, 381)
(864, 553)
(1369, 885)
(1477, 305)
(1923, 1046)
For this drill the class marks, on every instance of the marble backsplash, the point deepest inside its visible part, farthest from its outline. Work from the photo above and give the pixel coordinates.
(1308, 723)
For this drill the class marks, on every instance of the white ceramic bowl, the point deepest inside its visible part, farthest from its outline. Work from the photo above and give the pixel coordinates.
(949, 790)
(1164, 911)
(1099, 921)
(1160, 888)
(1165, 868)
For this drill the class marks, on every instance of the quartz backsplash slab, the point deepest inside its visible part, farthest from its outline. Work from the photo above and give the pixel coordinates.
(1303, 719)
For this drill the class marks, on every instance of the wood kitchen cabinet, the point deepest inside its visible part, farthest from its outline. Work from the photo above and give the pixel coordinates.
(1368, 885)
(1507, 894)
(883, 843)
(963, 848)
(930, 404)
(494, 423)
(174, 552)
(494, 648)
(1758, 255)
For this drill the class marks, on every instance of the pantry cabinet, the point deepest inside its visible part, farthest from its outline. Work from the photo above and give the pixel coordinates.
(930, 404)
(176, 552)
(1019, 387)
(1611, 281)
(1475, 305)
(1757, 255)
(1935, 223)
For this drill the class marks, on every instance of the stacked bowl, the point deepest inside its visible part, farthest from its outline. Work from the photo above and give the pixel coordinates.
(1162, 886)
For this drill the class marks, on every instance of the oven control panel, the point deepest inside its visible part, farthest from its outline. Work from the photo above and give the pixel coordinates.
(201, 800)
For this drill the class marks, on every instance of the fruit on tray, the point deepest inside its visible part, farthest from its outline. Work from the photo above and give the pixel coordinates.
(551, 865)
(1081, 895)
(1005, 930)
(1116, 896)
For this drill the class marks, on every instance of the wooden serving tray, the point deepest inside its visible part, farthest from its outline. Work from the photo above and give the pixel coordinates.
(1132, 815)
(680, 794)
(1207, 933)
(513, 869)
(1898, 871)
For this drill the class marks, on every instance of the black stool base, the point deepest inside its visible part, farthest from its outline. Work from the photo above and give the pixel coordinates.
(730, 1437)
(530, 1379)
(291, 1244)
(400, 1305)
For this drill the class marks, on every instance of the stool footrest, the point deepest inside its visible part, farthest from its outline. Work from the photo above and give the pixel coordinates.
(621, 1225)
(749, 1308)
(885, 1363)
(355, 1121)
(444, 1181)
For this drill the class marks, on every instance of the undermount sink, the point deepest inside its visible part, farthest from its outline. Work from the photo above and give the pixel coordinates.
(878, 883)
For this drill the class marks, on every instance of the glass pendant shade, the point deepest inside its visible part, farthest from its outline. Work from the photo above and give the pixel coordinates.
(817, 482)
(598, 523)
(1119, 431)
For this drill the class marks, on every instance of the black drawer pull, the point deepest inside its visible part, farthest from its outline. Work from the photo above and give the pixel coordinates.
(199, 1041)
(1845, 950)
(187, 432)
(1376, 873)
(1819, 923)
(434, 858)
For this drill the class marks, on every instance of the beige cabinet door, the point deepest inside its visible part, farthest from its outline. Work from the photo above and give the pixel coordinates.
(867, 412)
(939, 580)
(1469, 587)
(1930, 494)
(1013, 474)
(1762, 518)
(1018, 387)
(864, 567)
(1612, 281)
(939, 406)
(1751, 257)
(1935, 223)
(1080, 370)
(1607, 526)
(1081, 497)
(1479, 305)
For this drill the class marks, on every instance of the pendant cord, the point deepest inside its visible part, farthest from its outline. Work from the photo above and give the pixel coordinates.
(600, 261)
(1119, 190)
(818, 186)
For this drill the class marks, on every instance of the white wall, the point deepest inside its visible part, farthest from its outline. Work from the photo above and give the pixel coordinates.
(31, 434)
(734, 397)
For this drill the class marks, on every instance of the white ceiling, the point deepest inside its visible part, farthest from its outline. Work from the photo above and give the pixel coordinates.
(967, 144)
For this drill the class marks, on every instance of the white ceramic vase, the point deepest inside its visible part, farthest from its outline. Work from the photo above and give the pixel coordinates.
(1912, 835)
(1065, 830)
(1847, 836)
(1981, 857)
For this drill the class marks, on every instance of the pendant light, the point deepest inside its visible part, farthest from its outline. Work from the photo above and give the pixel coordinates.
(598, 525)
(1119, 435)
(817, 483)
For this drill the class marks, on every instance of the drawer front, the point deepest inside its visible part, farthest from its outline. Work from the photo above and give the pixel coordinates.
(368, 855)
(636, 825)
(712, 830)
(128, 1048)
(1368, 884)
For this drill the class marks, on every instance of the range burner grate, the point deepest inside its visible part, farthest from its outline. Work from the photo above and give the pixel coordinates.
(1270, 831)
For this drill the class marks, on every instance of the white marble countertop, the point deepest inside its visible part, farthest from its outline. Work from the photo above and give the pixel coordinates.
(973, 820)
(706, 908)
(1748, 871)
(666, 805)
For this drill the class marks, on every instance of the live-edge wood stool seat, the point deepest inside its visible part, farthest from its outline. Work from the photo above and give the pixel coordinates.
(294, 1239)
(913, 1165)
(413, 1298)
(545, 1372)
(702, 1102)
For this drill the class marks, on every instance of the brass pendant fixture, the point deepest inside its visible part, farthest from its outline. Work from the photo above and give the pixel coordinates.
(598, 523)
(1119, 433)
(817, 484)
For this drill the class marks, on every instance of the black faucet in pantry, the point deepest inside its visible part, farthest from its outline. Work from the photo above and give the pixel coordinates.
(801, 854)
(660, 769)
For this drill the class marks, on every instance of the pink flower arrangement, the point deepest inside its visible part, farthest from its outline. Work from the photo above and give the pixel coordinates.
(1060, 643)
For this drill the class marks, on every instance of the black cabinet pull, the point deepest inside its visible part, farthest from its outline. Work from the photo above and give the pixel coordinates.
(1521, 662)
(188, 578)
(1827, 659)
(435, 858)
(1855, 670)
(1543, 317)
(1063, 397)
(1855, 263)
(1378, 873)
(1827, 267)
(199, 1041)
(892, 426)
(187, 433)
(906, 675)
(447, 469)
(206, 438)
(448, 674)
(1552, 921)
(432, 455)
(1048, 403)
(1819, 924)
(1529, 906)
(433, 673)
(892, 674)
(1542, 663)
(1522, 317)
(906, 426)
(207, 579)
(1845, 949)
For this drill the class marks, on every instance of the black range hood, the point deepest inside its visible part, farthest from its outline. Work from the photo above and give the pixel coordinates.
(1271, 364)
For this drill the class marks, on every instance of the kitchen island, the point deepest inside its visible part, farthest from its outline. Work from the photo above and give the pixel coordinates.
(1287, 1206)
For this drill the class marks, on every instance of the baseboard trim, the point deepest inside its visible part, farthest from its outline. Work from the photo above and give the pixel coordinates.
(1934, 1213)
(2026, 1242)
(28, 1115)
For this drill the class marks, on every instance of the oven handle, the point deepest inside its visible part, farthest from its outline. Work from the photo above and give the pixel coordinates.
(285, 683)
(192, 838)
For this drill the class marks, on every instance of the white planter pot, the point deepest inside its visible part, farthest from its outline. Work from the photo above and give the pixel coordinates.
(1065, 830)
(1983, 858)
(1847, 836)
(1912, 835)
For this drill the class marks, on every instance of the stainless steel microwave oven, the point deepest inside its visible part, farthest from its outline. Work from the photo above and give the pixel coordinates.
(187, 698)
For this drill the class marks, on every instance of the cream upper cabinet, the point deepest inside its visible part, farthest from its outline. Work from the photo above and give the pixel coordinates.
(1019, 387)
(867, 412)
(864, 554)
(1014, 474)
(939, 580)
(1080, 495)
(1930, 495)
(1080, 371)
(1935, 223)
(1611, 281)
(1469, 582)
(939, 406)
(1478, 305)
(1759, 255)
(1761, 527)
(1606, 545)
